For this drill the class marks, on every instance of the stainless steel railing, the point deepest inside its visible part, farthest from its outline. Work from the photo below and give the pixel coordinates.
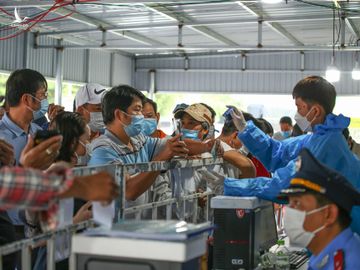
(119, 171)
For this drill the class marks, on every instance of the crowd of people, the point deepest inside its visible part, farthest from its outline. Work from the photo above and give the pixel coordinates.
(120, 125)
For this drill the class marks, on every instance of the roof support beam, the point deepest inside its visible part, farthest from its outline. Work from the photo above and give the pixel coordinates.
(277, 27)
(182, 18)
(49, 3)
(67, 38)
(99, 23)
(208, 48)
(349, 22)
(192, 24)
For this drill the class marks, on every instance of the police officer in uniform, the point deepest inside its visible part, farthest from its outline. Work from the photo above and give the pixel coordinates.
(318, 215)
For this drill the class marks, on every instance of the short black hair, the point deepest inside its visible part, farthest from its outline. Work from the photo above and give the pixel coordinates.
(316, 89)
(119, 97)
(344, 217)
(23, 81)
(296, 131)
(286, 120)
(213, 113)
(228, 128)
(152, 103)
(267, 127)
(71, 126)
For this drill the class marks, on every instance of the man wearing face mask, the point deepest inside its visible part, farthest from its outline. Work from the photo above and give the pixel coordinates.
(151, 119)
(88, 104)
(318, 215)
(26, 95)
(285, 127)
(123, 141)
(315, 100)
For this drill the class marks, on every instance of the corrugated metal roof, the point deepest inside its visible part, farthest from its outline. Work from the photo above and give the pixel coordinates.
(314, 29)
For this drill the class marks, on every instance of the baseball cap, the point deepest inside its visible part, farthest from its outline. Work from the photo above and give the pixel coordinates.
(89, 93)
(180, 107)
(197, 111)
(314, 176)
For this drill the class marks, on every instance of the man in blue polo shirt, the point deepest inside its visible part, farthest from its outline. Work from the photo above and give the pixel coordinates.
(123, 141)
(26, 95)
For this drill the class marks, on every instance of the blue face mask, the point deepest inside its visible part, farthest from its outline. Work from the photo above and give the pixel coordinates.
(190, 134)
(149, 126)
(44, 106)
(136, 125)
(286, 134)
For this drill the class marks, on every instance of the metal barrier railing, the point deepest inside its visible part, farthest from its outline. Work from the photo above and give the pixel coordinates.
(119, 171)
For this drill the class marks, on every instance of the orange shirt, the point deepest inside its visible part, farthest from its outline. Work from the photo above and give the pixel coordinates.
(160, 134)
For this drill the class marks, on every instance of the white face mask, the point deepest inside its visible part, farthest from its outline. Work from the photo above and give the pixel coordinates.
(83, 160)
(96, 121)
(294, 226)
(302, 122)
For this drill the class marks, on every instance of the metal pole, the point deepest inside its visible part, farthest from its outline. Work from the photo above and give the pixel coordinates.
(243, 62)
(206, 48)
(259, 45)
(50, 253)
(152, 84)
(342, 25)
(103, 38)
(186, 63)
(180, 35)
(25, 258)
(111, 73)
(87, 65)
(302, 61)
(154, 213)
(25, 63)
(59, 73)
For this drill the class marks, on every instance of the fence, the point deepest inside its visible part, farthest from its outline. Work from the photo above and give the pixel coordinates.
(120, 173)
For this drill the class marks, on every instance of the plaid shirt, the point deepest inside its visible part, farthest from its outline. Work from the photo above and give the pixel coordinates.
(28, 188)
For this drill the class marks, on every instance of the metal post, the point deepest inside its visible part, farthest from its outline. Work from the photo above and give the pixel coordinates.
(1, 262)
(111, 73)
(72, 261)
(120, 201)
(342, 30)
(152, 83)
(168, 211)
(154, 213)
(87, 65)
(59, 73)
(103, 43)
(26, 51)
(195, 209)
(259, 45)
(243, 61)
(138, 215)
(302, 61)
(25, 258)
(180, 35)
(186, 63)
(50, 253)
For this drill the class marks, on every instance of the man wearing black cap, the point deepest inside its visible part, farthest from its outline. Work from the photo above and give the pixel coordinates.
(318, 215)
